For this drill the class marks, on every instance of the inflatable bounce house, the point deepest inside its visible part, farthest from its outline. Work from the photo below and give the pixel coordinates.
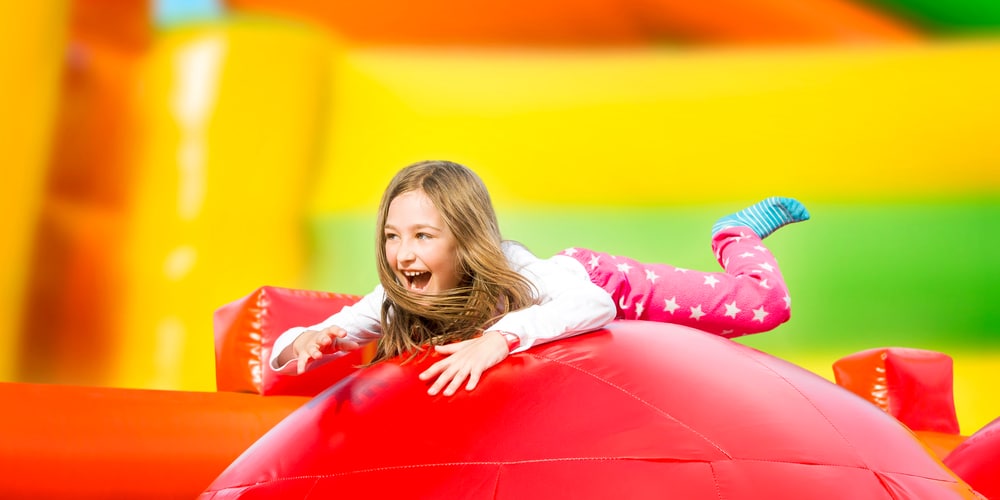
(183, 186)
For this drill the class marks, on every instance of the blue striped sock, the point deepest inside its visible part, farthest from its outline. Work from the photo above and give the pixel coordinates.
(765, 217)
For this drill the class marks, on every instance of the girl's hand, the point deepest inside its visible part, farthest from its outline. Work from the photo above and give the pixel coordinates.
(466, 360)
(313, 344)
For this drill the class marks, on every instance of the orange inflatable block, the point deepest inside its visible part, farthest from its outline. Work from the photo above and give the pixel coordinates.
(126, 25)
(775, 21)
(245, 331)
(913, 385)
(456, 22)
(72, 295)
(591, 22)
(87, 442)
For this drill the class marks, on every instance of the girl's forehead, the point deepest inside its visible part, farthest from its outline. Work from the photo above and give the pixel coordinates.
(413, 208)
(415, 198)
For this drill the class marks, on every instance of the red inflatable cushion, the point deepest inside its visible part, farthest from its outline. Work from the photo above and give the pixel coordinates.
(913, 385)
(245, 331)
(977, 460)
(640, 410)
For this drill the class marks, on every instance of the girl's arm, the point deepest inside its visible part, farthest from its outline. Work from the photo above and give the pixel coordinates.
(361, 322)
(569, 303)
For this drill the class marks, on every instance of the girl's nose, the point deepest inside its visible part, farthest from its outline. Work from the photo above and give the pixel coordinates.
(405, 253)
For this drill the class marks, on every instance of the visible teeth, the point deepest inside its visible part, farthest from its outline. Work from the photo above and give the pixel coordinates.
(412, 278)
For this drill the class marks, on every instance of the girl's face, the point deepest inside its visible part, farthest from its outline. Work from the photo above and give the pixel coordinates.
(419, 246)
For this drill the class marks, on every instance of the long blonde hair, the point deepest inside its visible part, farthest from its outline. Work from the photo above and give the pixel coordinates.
(487, 288)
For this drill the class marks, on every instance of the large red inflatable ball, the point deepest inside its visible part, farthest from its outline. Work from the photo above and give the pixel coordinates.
(639, 410)
(977, 460)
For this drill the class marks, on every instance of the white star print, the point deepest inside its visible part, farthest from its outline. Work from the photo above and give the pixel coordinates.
(638, 310)
(760, 248)
(624, 267)
(651, 276)
(670, 305)
(680, 269)
(746, 255)
(570, 251)
(696, 312)
(766, 266)
(711, 280)
(788, 302)
(732, 310)
(594, 261)
(759, 314)
(763, 284)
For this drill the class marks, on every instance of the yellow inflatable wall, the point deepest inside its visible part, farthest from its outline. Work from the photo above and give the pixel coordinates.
(32, 50)
(230, 113)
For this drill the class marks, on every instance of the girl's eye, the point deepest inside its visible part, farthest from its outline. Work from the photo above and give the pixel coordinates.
(390, 236)
(423, 236)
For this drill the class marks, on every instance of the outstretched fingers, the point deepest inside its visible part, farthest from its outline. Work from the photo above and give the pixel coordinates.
(313, 344)
(465, 364)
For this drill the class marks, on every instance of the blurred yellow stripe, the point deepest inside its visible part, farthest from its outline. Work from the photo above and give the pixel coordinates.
(669, 126)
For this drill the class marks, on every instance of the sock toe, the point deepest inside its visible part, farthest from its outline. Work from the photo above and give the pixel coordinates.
(797, 212)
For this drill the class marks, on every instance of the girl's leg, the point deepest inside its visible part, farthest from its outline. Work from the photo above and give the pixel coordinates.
(749, 297)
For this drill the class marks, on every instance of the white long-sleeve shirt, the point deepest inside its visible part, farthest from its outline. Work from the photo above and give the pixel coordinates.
(567, 303)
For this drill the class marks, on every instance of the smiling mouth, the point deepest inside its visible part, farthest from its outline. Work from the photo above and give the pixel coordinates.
(416, 280)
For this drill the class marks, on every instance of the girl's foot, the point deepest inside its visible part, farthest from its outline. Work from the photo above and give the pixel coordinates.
(765, 217)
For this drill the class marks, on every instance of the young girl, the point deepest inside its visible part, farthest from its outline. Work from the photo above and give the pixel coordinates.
(450, 281)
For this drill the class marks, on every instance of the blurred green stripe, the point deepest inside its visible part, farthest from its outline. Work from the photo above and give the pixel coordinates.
(946, 17)
(862, 275)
